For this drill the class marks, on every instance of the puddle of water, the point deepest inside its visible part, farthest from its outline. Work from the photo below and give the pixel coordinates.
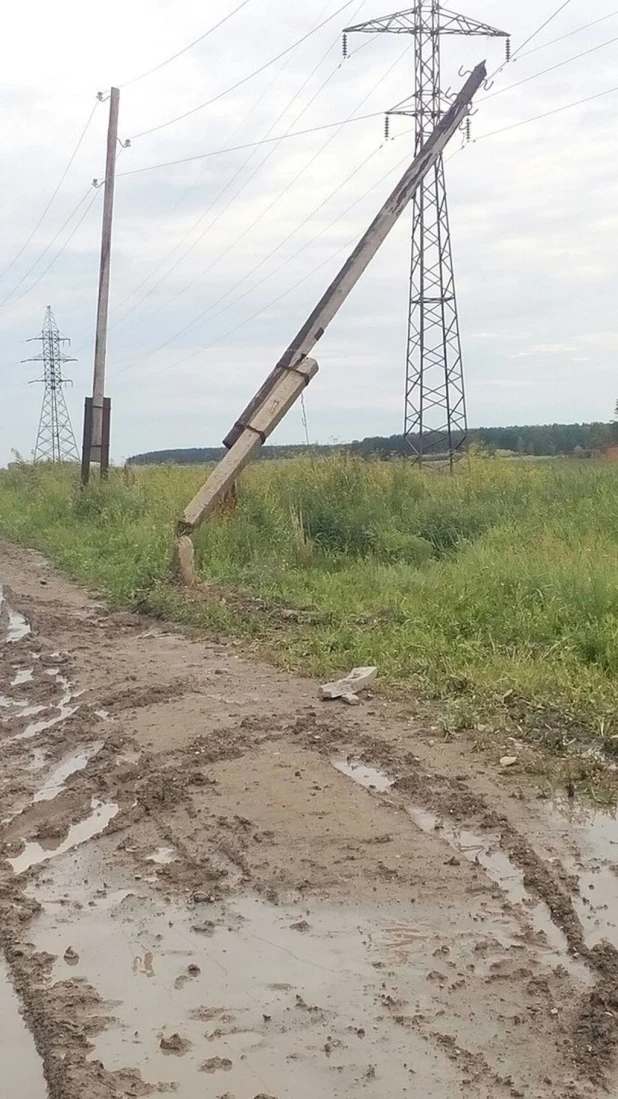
(76, 761)
(500, 869)
(369, 777)
(64, 711)
(162, 855)
(596, 835)
(24, 675)
(98, 819)
(487, 852)
(18, 627)
(18, 1055)
(274, 1010)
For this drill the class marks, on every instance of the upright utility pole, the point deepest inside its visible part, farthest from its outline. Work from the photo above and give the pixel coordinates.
(435, 421)
(97, 408)
(55, 441)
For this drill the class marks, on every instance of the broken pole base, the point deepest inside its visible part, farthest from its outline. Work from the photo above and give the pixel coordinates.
(185, 561)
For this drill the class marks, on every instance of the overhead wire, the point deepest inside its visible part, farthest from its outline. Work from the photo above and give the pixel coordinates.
(359, 118)
(534, 34)
(549, 69)
(273, 203)
(569, 34)
(263, 213)
(53, 196)
(185, 49)
(10, 299)
(245, 79)
(546, 114)
(265, 259)
(230, 182)
(61, 250)
(288, 290)
(247, 320)
(252, 144)
(226, 187)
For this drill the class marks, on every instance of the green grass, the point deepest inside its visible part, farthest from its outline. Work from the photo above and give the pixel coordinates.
(500, 583)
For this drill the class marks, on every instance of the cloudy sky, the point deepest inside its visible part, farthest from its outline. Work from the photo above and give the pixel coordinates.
(216, 262)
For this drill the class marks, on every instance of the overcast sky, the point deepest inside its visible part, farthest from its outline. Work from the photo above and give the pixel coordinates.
(534, 215)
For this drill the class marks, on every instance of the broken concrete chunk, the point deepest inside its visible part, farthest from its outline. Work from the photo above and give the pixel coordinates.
(508, 761)
(346, 688)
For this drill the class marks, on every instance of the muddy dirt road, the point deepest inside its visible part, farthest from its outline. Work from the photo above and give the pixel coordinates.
(213, 885)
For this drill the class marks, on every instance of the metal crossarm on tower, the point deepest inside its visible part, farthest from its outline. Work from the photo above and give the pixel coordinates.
(435, 421)
(55, 441)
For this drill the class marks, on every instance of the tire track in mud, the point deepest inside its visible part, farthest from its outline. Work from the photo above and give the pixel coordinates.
(158, 790)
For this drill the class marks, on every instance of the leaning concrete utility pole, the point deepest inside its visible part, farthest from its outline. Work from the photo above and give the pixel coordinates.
(295, 370)
(97, 408)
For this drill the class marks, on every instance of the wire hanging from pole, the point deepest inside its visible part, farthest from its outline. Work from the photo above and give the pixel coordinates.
(55, 192)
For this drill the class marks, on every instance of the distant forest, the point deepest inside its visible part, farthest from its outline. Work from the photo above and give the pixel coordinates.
(535, 439)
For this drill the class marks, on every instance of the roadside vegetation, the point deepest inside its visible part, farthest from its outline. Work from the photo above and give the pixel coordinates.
(495, 590)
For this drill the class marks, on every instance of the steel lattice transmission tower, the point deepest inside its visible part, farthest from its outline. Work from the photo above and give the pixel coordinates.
(55, 441)
(435, 406)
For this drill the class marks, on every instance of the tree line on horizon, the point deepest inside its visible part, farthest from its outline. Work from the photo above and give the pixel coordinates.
(538, 440)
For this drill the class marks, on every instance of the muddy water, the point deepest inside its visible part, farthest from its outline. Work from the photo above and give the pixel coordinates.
(24, 675)
(19, 1059)
(65, 710)
(75, 761)
(272, 1000)
(487, 852)
(15, 626)
(595, 864)
(369, 777)
(34, 853)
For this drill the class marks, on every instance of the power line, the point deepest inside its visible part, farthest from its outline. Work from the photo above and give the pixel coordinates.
(570, 34)
(64, 246)
(252, 144)
(546, 114)
(45, 250)
(289, 290)
(255, 103)
(551, 68)
(308, 243)
(213, 222)
(245, 79)
(274, 301)
(359, 118)
(268, 208)
(185, 49)
(55, 192)
(541, 28)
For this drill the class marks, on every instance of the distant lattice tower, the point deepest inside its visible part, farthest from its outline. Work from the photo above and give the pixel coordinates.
(55, 441)
(435, 421)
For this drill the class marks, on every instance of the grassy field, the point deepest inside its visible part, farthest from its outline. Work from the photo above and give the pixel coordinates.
(495, 590)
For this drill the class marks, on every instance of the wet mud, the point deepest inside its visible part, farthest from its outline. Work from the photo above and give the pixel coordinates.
(213, 885)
